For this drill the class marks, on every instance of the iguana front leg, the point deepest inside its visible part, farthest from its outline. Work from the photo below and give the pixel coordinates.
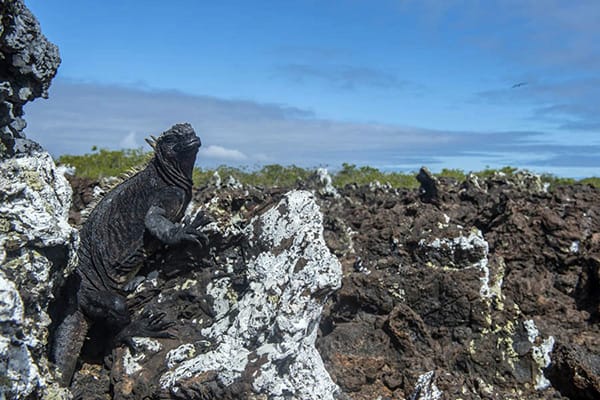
(162, 228)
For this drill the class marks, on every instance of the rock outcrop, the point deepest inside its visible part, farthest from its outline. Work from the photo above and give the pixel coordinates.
(265, 339)
(36, 242)
(28, 62)
(36, 245)
(246, 316)
(491, 287)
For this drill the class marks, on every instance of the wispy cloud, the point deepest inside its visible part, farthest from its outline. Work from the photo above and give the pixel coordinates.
(311, 53)
(540, 34)
(571, 105)
(552, 45)
(221, 153)
(347, 77)
(236, 132)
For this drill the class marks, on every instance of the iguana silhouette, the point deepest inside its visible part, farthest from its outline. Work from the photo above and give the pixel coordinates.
(129, 224)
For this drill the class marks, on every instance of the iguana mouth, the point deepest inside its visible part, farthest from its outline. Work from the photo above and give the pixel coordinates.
(193, 142)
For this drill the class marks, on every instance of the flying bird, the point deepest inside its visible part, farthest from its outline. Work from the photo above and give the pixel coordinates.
(516, 85)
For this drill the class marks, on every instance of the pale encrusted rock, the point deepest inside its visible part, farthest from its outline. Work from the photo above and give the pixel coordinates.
(425, 389)
(324, 183)
(36, 246)
(267, 337)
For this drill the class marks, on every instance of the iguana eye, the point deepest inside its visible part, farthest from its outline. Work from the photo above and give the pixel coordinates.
(169, 139)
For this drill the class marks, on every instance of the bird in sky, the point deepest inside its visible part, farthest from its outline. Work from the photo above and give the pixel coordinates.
(516, 85)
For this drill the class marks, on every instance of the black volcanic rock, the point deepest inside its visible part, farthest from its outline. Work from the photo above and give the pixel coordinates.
(28, 62)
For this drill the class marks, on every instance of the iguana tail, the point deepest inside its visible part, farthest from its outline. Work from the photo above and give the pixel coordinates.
(68, 341)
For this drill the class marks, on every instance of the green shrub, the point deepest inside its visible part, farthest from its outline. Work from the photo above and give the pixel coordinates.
(350, 174)
(554, 180)
(103, 163)
(455, 173)
(489, 172)
(594, 181)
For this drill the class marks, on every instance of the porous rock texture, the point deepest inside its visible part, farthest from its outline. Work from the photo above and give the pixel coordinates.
(480, 286)
(246, 313)
(490, 291)
(36, 246)
(268, 334)
(28, 62)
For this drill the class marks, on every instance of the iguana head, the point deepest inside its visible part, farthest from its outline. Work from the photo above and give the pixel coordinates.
(177, 147)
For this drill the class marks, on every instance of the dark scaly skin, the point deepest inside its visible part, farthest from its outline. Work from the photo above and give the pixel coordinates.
(131, 223)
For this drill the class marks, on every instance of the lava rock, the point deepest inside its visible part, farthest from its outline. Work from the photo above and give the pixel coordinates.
(28, 62)
(250, 339)
(37, 247)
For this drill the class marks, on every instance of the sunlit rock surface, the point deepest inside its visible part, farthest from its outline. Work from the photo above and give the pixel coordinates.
(36, 244)
(260, 340)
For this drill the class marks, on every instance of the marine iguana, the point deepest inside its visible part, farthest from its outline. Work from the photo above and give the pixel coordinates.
(128, 225)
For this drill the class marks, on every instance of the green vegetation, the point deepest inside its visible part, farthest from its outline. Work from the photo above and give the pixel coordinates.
(489, 172)
(269, 175)
(594, 181)
(454, 173)
(364, 175)
(102, 163)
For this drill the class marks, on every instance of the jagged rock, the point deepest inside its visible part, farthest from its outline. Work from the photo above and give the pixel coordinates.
(576, 371)
(28, 62)
(257, 339)
(269, 333)
(230, 182)
(455, 287)
(36, 244)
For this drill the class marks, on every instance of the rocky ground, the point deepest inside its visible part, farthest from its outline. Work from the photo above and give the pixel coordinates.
(461, 290)
(476, 289)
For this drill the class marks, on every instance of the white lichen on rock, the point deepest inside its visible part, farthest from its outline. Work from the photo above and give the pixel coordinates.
(36, 243)
(179, 354)
(465, 252)
(17, 367)
(131, 362)
(540, 353)
(325, 183)
(425, 389)
(271, 329)
(574, 248)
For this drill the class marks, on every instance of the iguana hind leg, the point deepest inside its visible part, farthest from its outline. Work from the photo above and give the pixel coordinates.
(150, 324)
(105, 306)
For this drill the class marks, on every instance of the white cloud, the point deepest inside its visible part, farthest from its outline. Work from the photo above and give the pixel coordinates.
(129, 141)
(222, 153)
(78, 116)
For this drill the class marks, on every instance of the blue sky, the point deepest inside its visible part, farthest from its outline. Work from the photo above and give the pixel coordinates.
(392, 84)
